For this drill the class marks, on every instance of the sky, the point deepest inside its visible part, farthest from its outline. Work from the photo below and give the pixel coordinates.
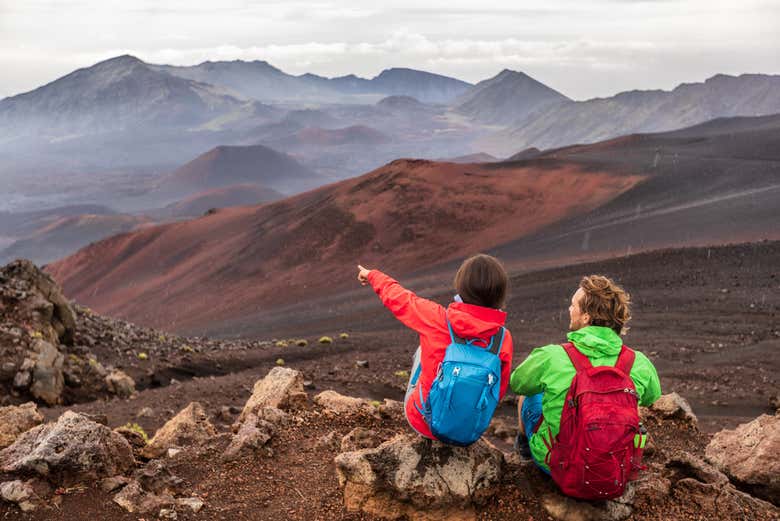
(581, 48)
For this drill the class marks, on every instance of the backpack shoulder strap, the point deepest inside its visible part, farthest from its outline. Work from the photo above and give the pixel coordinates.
(496, 341)
(625, 360)
(455, 338)
(580, 361)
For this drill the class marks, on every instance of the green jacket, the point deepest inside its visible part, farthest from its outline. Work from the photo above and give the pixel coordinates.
(548, 370)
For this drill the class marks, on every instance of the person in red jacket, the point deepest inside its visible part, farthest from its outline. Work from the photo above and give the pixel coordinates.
(481, 283)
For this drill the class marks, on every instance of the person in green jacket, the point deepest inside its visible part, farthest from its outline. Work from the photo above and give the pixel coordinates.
(598, 313)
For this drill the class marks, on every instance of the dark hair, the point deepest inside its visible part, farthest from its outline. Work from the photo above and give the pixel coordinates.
(482, 280)
(607, 303)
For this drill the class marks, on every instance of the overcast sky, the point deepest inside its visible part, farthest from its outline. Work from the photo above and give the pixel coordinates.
(581, 48)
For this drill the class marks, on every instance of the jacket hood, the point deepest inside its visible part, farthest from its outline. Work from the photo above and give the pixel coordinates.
(470, 321)
(596, 341)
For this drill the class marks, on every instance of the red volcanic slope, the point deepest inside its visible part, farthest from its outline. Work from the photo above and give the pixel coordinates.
(230, 165)
(404, 216)
(235, 195)
(354, 135)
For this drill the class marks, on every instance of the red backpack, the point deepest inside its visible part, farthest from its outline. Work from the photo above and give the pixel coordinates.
(599, 446)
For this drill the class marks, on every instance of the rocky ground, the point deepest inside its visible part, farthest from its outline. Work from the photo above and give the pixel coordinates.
(133, 380)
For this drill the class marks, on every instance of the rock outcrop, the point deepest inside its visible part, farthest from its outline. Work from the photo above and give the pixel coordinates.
(750, 456)
(15, 420)
(71, 450)
(419, 478)
(190, 428)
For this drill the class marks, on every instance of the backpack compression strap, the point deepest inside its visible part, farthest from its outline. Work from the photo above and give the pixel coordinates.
(625, 360)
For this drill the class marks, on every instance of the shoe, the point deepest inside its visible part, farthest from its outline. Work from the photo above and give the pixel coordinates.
(521, 446)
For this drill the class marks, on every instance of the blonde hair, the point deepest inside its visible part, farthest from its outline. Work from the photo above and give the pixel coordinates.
(607, 303)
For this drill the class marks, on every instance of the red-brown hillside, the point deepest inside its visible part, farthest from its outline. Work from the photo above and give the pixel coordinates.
(404, 216)
(235, 195)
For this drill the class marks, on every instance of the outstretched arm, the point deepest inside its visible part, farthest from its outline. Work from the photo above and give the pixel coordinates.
(417, 313)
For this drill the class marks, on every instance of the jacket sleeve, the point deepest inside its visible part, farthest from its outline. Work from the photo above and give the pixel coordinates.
(507, 350)
(646, 380)
(526, 380)
(417, 313)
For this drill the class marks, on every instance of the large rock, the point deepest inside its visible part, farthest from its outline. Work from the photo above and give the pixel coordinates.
(419, 478)
(72, 450)
(750, 455)
(340, 404)
(674, 406)
(191, 427)
(15, 420)
(152, 488)
(281, 388)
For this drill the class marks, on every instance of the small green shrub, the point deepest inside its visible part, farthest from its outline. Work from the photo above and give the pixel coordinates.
(143, 356)
(137, 428)
(402, 374)
(326, 340)
(280, 361)
(302, 342)
(281, 343)
(344, 336)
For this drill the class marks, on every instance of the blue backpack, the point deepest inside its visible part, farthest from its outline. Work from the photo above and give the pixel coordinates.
(464, 395)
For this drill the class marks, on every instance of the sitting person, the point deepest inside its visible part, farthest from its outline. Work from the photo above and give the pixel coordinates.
(464, 348)
(601, 422)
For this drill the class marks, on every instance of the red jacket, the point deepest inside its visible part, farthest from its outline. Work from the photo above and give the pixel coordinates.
(430, 321)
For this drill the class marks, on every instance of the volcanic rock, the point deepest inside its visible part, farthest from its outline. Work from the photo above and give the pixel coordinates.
(253, 433)
(15, 420)
(19, 492)
(47, 378)
(674, 406)
(419, 478)
(136, 500)
(281, 388)
(120, 383)
(564, 508)
(359, 438)
(750, 455)
(190, 427)
(340, 404)
(71, 450)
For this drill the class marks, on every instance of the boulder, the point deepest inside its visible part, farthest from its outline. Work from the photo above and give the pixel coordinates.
(195, 504)
(340, 404)
(673, 405)
(419, 478)
(47, 378)
(281, 388)
(71, 450)
(750, 456)
(118, 383)
(15, 420)
(190, 427)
